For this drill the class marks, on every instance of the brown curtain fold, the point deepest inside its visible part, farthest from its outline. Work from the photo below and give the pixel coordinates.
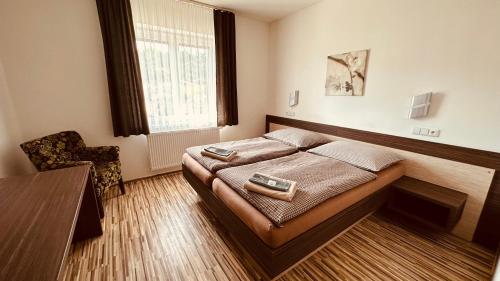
(128, 109)
(225, 55)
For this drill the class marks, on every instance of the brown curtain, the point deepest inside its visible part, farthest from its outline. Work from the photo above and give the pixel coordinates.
(225, 53)
(126, 95)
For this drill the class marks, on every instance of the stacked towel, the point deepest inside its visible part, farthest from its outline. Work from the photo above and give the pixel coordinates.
(219, 157)
(280, 195)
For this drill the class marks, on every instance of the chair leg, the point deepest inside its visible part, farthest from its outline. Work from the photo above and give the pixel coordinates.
(100, 207)
(122, 186)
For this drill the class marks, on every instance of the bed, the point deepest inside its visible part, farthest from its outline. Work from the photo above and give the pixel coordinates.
(276, 245)
(276, 231)
(248, 151)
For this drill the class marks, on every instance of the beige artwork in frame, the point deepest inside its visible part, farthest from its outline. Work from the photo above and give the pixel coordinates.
(345, 74)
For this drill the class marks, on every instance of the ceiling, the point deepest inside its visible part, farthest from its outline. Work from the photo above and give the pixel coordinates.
(266, 10)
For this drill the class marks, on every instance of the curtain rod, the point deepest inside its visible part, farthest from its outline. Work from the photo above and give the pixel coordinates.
(205, 5)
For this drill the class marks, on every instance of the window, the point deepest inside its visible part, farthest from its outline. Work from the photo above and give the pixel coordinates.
(177, 58)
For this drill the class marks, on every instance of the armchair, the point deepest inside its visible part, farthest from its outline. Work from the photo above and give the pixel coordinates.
(67, 149)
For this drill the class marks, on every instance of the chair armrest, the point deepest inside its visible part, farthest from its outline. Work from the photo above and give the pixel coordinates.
(65, 164)
(100, 154)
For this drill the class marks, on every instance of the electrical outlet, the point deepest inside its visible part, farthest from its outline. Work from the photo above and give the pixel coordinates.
(434, 132)
(290, 113)
(416, 131)
(424, 131)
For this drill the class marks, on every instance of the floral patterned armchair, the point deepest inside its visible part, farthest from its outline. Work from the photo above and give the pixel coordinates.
(67, 149)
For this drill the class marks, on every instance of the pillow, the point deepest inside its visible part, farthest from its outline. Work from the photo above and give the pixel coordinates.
(297, 137)
(357, 154)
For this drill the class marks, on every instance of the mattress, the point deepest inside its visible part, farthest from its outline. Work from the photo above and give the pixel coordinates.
(198, 170)
(318, 179)
(275, 236)
(248, 151)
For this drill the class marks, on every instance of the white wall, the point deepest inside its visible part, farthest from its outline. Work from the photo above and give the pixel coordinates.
(54, 62)
(450, 47)
(12, 159)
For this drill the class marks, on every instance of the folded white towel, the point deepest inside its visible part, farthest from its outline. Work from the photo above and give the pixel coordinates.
(219, 157)
(280, 195)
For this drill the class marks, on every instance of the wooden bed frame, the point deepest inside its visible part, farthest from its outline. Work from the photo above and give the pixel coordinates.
(274, 261)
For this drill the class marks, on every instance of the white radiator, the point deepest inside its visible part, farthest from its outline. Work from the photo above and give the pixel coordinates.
(166, 149)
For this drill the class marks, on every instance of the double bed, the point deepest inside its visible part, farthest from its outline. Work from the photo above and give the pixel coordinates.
(248, 151)
(332, 195)
(274, 235)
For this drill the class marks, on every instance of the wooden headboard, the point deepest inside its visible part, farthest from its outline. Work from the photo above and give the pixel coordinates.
(475, 172)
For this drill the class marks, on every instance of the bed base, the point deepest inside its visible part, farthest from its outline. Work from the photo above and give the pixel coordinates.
(274, 261)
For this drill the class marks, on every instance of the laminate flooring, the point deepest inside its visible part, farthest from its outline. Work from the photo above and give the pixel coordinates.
(160, 230)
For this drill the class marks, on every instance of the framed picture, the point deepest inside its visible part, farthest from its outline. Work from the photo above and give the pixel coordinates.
(345, 74)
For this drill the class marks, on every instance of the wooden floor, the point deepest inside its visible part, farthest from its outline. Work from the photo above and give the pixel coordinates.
(160, 230)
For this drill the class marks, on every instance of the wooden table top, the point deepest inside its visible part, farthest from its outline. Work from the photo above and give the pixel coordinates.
(435, 193)
(38, 214)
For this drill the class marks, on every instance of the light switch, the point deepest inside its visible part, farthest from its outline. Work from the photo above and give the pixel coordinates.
(426, 132)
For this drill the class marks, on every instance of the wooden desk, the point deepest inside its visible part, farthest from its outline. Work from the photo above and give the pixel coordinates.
(40, 215)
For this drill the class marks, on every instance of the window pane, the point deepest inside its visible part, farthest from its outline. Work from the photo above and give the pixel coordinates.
(177, 57)
(157, 83)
